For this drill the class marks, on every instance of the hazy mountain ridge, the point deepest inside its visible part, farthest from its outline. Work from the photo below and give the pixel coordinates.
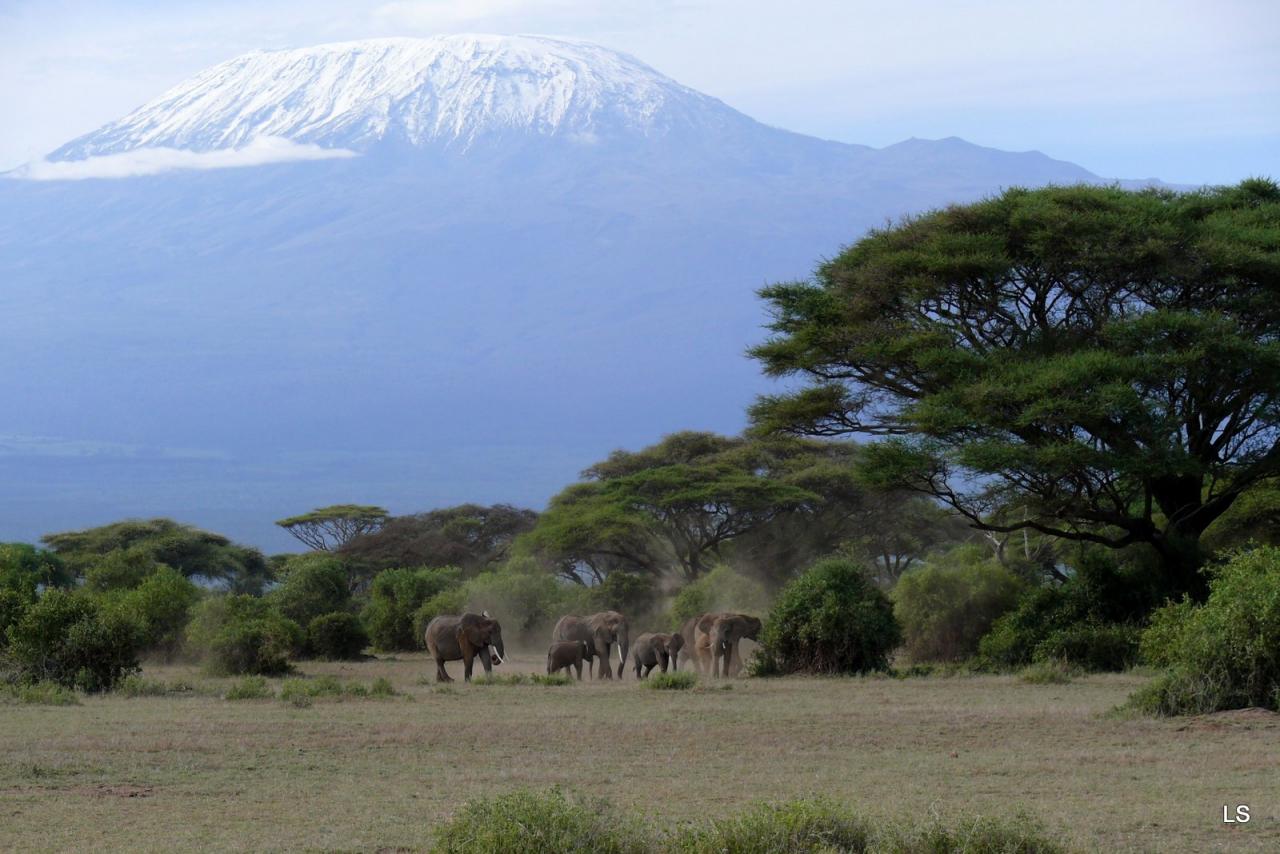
(495, 293)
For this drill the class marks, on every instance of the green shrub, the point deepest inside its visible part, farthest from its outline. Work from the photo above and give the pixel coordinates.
(160, 606)
(675, 680)
(122, 569)
(1224, 654)
(381, 687)
(832, 619)
(137, 686)
(13, 604)
(313, 585)
(721, 589)
(803, 825)
(395, 597)
(25, 569)
(550, 679)
(241, 634)
(67, 638)
(1049, 672)
(337, 637)
(506, 679)
(946, 606)
(292, 690)
(39, 694)
(1092, 646)
(1019, 834)
(529, 822)
(249, 688)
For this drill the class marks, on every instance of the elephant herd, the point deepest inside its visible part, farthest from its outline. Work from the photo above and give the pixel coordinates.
(710, 640)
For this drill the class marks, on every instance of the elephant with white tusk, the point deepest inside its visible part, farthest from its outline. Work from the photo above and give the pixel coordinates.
(465, 638)
(602, 631)
(716, 638)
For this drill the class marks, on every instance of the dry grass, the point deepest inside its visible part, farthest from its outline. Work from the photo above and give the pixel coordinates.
(193, 771)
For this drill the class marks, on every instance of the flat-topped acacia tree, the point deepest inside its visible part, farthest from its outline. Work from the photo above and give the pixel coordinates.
(327, 529)
(1107, 362)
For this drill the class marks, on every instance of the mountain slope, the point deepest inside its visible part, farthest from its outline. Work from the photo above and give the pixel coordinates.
(543, 250)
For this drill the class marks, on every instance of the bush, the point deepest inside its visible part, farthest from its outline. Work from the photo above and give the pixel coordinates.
(980, 835)
(249, 688)
(1224, 654)
(832, 619)
(313, 585)
(1093, 647)
(13, 604)
(1049, 672)
(241, 634)
(337, 637)
(395, 597)
(137, 686)
(26, 569)
(68, 639)
(160, 607)
(528, 822)
(676, 680)
(122, 569)
(38, 694)
(721, 589)
(550, 679)
(805, 825)
(946, 607)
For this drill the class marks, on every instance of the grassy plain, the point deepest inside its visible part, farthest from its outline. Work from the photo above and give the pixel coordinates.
(198, 772)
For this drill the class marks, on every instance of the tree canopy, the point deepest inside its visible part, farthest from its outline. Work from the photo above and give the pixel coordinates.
(1106, 361)
(471, 537)
(327, 529)
(195, 553)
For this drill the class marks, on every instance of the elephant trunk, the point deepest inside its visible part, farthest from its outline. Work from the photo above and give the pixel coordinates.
(499, 651)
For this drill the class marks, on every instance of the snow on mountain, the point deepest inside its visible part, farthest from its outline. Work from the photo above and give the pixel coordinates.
(448, 89)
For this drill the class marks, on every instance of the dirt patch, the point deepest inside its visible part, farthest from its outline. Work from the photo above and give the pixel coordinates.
(116, 790)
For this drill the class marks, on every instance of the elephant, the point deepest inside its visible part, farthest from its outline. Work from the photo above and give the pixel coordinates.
(689, 648)
(716, 637)
(656, 650)
(601, 631)
(565, 654)
(452, 637)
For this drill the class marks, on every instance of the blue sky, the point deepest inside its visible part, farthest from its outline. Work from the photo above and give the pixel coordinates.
(1185, 91)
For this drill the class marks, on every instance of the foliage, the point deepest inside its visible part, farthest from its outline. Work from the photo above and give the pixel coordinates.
(627, 592)
(395, 597)
(26, 568)
(946, 606)
(548, 822)
(313, 585)
(249, 688)
(159, 606)
(801, 825)
(471, 537)
(328, 529)
(1224, 654)
(1049, 671)
(197, 554)
(1106, 360)
(337, 637)
(328, 686)
(1104, 591)
(138, 686)
(555, 680)
(69, 639)
(525, 601)
(237, 634)
(832, 619)
(13, 604)
(672, 680)
(721, 589)
(38, 694)
(1017, 834)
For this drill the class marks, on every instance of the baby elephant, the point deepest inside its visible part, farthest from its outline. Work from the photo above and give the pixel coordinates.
(655, 650)
(565, 654)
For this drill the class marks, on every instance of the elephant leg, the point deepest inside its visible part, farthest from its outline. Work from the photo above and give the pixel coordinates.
(662, 661)
(578, 665)
(606, 670)
(468, 658)
(487, 660)
(441, 676)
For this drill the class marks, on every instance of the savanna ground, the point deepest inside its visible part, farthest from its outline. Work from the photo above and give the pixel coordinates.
(200, 772)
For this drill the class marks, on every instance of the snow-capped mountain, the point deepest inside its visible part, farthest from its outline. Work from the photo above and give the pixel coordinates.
(453, 90)
(446, 269)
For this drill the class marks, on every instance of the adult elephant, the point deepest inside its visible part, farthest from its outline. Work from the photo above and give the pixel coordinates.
(602, 631)
(716, 638)
(465, 637)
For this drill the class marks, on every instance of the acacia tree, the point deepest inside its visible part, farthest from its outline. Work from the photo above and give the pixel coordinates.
(327, 529)
(471, 537)
(1107, 360)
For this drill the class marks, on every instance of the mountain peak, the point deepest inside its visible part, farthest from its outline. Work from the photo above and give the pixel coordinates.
(451, 90)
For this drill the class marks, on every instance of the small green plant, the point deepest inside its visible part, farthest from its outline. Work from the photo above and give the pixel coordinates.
(502, 679)
(677, 680)
(802, 825)
(1019, 834)
(39, 694)
(138, 686)
(249, 688)
(1052, 671)
(381, 687)
(301, 692)
(550, 679)
(552, 822)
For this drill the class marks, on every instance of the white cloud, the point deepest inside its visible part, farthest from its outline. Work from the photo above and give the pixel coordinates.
(153, 161)
(445, 14)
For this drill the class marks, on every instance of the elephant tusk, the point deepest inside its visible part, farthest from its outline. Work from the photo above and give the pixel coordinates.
(621, 660)
(496, 657)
